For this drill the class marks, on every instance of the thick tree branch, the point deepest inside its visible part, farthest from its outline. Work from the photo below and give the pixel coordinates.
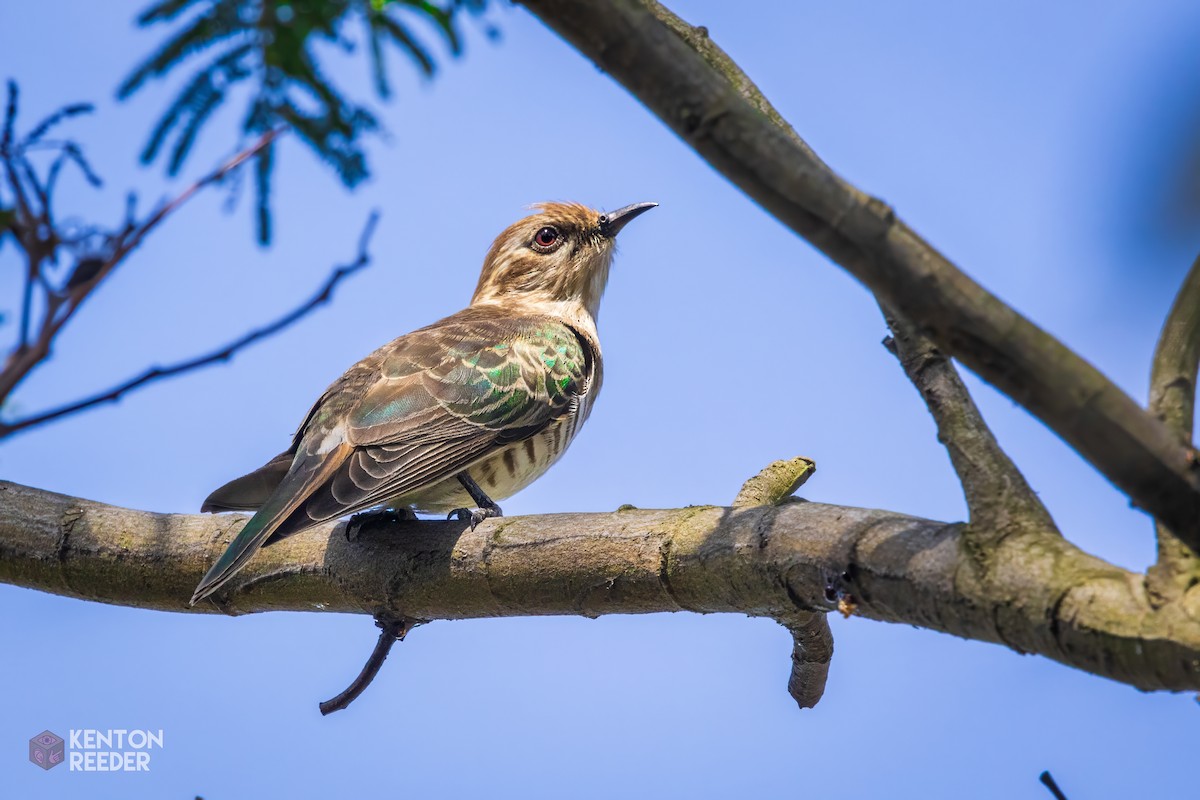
(703, 96)
(1039, 594)
(998, 497)
(221, 354)
(1173, 400)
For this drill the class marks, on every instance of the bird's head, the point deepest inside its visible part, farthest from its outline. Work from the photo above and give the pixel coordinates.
(559, 255)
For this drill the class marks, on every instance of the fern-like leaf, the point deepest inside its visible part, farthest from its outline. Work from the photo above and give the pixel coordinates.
(66, 112)
(221, 23)
(268, 44)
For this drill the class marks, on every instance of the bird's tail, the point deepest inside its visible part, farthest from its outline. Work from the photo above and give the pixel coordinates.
(247, 543)
(251, 491)
(306, 474)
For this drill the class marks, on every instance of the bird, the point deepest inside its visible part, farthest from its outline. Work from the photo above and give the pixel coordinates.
(455, 415)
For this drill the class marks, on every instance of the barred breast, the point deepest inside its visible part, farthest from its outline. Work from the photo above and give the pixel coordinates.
(507, 471)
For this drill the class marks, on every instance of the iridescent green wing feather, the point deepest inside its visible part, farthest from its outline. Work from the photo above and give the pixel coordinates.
(526, 380)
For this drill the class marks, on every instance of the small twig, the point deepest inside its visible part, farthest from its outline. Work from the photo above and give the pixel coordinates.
(1048, 781)
(997, 495)
(392, 630)
(223, 353)
(1173, 400)
(213, 177)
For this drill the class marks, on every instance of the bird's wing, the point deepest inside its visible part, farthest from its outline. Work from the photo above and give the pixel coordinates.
(447, 396)
(415, 412)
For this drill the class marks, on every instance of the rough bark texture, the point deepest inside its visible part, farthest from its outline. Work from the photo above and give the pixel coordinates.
(1035, 593)
(1173, 400)
(697, 90)
(1177, 359)
(999, 498)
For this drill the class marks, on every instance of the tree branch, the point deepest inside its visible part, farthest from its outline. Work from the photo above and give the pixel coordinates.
(221, 354)
(216, 176)
(998, 497)
(1177, 359)
(703, 96)
(61, 307)
(1040, 595)
(391, 630)
(1173, 400)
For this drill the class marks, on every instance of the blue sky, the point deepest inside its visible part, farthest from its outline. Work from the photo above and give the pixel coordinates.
(1002, 133)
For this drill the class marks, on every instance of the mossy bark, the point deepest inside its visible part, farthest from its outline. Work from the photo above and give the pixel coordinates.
(1036, 593)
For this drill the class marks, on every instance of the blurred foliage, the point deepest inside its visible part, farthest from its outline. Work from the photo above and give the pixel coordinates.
(1147, 169)
(268, 46)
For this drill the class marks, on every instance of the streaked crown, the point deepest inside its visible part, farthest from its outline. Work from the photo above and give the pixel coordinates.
(560, 254)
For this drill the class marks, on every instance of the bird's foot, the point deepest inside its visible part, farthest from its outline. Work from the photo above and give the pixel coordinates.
(476, 515)
(487, 506)
(381, 516)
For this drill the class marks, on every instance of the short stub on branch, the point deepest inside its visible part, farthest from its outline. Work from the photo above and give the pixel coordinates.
(812, 640)
(812, 648)
(778, 481)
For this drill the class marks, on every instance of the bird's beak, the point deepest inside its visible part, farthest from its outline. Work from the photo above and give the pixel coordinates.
(612, 222)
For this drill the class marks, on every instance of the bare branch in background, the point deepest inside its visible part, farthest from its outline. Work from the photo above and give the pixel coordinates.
(97, 252)
(52, 295)
(221, 354)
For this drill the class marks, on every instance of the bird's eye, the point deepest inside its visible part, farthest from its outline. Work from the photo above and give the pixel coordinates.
(546, 238)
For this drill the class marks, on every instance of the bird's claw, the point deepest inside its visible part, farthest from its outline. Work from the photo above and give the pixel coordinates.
(474, 516)
(369, 519)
